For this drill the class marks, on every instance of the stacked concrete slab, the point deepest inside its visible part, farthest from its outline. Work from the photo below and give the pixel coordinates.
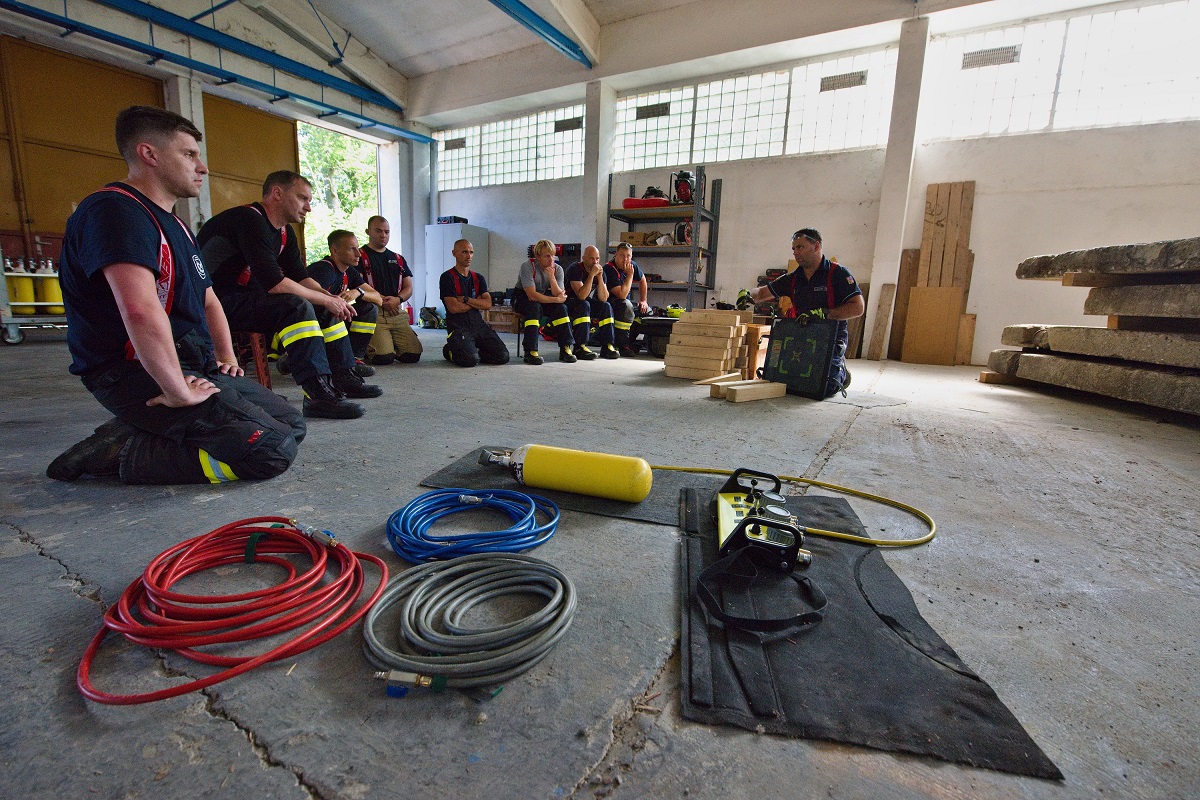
(1149, 351)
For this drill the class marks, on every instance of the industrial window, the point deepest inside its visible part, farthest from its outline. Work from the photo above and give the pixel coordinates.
(654, 129)
(540, 146)
(742, 117)
(1122, 66)
(842, 103)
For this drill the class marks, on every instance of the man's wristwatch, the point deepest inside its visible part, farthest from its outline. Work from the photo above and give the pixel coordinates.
(361, 293)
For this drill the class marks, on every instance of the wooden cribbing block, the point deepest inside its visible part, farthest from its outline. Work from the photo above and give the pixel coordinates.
(728, 376)
(719, 389)
(715, 366)
(757, 390)
(690, 373)
(697, 352)
(716, 317)
(709, 342)
(700, 329)
(999, 378)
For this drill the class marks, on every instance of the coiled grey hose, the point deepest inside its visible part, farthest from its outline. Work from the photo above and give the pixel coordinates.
(433, 599)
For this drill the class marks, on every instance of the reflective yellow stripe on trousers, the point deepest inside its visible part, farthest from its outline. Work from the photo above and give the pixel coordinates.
(216, 471)
(294, 333)
(334, 332)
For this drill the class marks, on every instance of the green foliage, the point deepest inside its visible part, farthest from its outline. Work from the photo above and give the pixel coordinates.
(345, 176)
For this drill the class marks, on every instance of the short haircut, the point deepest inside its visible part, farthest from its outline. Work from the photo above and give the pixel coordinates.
(138, 124)
(807, 233)
(283, 178)
(378, 218)
(625, 246)
(544, 246)
(338, 236)
(460, 241)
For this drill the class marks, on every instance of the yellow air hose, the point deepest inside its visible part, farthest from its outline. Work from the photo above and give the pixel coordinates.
(916, 512)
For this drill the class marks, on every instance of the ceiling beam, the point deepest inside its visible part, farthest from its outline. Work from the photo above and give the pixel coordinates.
(543, 30)
(298, 21)
(582, 25)
(224, 41)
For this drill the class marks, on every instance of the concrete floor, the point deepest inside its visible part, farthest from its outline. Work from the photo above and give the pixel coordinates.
(1066, 572)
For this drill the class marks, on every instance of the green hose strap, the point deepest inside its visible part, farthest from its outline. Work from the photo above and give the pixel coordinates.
(252, 545)
(438, 684)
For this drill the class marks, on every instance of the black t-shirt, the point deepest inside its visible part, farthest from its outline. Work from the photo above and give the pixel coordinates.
(111, 227)
(242, 237)
(451, 284)
(332, 279)
(385, 271)
(577, 272)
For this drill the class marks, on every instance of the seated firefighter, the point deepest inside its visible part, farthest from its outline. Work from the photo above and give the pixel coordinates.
(148, 336)
(257, 271)
(338, 274)
(469, 339)
(587, 300)
(620, 275)
(541, 291)
(387, 272)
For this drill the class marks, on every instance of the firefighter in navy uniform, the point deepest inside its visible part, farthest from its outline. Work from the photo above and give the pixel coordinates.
(464, 292)
(821, 288)
(587, 301)
(620, 275)
(258, 274)
(387, 272)
(338, 274)
(148, 336)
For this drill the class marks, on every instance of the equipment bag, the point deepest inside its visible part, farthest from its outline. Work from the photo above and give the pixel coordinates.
(799, 354)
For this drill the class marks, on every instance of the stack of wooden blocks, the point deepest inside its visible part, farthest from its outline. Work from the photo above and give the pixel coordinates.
(929, 322)
(705, 344)
(1150, 350)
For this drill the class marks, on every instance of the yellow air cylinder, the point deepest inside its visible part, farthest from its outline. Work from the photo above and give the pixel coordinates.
(20, 290)
(624, 478)
(48, 290)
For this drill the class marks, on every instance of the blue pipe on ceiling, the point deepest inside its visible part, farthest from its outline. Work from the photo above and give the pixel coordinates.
(224, 76)
(224, 41)
(543, 29)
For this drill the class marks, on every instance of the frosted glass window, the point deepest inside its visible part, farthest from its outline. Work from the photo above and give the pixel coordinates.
(541, 146)
(842, 103)
(654, 129)
(742, 117)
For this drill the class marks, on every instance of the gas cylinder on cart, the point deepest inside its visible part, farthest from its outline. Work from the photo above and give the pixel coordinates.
(625, 478)
(20, 289)
(47, 288)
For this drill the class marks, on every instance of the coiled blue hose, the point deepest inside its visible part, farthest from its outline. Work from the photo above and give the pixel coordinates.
(408, 528)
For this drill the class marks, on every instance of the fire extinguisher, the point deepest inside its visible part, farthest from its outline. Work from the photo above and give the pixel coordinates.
(685, 187)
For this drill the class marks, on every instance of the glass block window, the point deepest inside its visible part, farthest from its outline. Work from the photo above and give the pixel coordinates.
(841, 103)
(458, 158)
(654, 129)
(541, 146)
(742, 117)
(1120, 66)
(997, 81)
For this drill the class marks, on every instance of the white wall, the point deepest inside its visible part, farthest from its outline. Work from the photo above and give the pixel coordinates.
(1048, 193)
(1035, 194)
(518, 215)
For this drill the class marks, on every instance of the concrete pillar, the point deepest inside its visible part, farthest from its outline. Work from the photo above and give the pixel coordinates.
(185, 98)
(897, 170)
(600, 125)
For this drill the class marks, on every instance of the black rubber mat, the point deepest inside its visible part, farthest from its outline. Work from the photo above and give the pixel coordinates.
(661, 506)
(871, 672)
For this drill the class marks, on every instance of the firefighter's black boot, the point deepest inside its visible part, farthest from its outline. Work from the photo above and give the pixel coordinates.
(347, 382)
(99, 454)
(322, 400)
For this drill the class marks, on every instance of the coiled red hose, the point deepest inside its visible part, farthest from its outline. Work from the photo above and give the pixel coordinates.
(150, 614)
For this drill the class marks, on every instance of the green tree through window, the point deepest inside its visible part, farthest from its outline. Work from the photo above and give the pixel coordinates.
(345, 176)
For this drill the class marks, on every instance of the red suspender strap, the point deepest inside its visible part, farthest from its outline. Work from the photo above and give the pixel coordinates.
(166, 262)
(365, 262)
